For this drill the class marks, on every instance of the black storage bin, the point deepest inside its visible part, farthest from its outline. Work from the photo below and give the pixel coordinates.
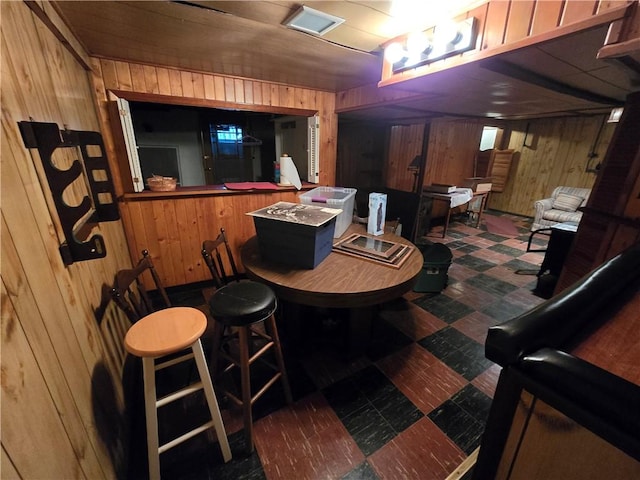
(294, 244)
(433, 278)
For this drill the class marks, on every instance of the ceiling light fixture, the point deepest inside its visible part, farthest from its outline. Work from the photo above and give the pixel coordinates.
(443, 40)
(312, 21)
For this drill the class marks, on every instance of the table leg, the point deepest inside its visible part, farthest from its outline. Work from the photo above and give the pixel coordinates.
(291, 326)
(359, 330)
(359, 327)
(446, 222)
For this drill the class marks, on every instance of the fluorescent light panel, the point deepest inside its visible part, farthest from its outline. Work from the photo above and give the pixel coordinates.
(312, 21)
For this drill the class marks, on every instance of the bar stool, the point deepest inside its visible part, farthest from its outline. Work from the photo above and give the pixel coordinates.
(162, 333)
(240, 308)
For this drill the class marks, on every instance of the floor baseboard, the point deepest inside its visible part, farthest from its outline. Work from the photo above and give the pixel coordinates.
(465, 466)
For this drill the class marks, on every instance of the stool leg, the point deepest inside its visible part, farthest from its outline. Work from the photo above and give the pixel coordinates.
(273, 332)
(218, 334)
(210, 394)
(245, 382)
(151, 415)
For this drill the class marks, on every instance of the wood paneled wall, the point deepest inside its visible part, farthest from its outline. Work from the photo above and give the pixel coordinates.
(558, 151)
(168, 85)
(453, 145)
(405, 142)
(450, 152)
(369, 95)
(62, 400)
(362, 153)
(173, 229)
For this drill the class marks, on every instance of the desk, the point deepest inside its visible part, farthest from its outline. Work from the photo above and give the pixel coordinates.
(339, 281)
(459, 197)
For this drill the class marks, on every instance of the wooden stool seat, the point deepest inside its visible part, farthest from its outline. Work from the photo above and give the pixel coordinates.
(165, 332)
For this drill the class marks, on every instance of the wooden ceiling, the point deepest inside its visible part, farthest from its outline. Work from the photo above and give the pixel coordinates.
(558, 78)
(247, 39)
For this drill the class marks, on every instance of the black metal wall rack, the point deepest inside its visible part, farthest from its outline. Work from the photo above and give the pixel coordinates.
(100, 207)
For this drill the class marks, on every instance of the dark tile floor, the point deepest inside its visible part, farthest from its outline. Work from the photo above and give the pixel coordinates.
(413, 407)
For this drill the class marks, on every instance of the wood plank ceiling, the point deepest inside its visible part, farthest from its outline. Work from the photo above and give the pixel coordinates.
(247, 39)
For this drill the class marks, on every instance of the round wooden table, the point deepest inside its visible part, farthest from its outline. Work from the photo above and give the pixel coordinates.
(339, 281)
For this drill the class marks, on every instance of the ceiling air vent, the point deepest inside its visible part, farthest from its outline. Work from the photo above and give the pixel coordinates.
(312, 21)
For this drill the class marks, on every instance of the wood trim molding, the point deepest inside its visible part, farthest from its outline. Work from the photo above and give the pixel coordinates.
(207, 191)
(51, 19)
(200, 102)
(620, 49)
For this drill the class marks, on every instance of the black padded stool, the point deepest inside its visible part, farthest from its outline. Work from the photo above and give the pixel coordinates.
(237, 309)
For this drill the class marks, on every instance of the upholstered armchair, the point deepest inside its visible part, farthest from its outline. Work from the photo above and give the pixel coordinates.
(561, 207)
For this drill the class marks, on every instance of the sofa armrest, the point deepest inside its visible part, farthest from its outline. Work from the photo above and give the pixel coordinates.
(543, 205)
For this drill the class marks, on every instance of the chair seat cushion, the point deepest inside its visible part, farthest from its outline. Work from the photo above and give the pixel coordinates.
(562, 216)
(242, 303)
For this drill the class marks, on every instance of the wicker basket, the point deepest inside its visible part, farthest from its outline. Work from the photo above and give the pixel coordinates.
(161, 184)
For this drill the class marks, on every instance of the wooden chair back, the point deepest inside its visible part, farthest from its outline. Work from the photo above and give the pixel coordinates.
(130, 294)
(212, 253)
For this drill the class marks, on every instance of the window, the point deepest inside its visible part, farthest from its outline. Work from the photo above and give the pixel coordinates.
(488, 140)
(205, 146)
(229, 154)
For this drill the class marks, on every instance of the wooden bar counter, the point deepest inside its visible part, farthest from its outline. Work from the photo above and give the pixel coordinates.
(173, 225)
